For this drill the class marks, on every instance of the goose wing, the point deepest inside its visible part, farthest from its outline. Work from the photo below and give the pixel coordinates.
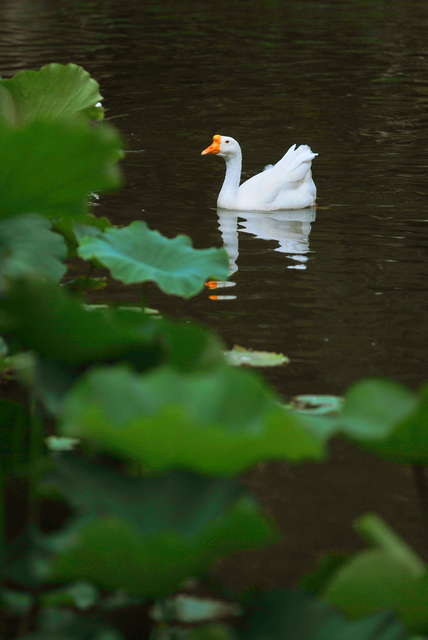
(287, 173)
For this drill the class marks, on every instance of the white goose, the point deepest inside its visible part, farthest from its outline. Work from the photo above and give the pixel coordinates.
(286, 185)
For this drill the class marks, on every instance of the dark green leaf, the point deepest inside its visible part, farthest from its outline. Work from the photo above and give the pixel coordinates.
(62, 624)
(137, 254)
(59, 327)
(147, 535)
(28, 247)
(17, 603)
(296, 615)
(50, 168)
(69, 227)
(388, 575)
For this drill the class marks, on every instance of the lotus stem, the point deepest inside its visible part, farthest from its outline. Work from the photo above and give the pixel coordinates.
(35, 451)
(422, 487)
(88, 275)
(2, 523)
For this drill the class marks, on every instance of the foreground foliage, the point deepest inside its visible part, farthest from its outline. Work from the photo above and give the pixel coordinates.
(136, 490)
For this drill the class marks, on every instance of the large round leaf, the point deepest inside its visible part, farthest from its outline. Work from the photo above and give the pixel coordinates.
(218, 422)
(387, 418)
(56, 91)
(388, 575)
(146, 535)
(296, 615)
(28, 247)
(137, 254)
(51, 167)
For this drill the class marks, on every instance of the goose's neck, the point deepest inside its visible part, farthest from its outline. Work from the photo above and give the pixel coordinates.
(229, 190)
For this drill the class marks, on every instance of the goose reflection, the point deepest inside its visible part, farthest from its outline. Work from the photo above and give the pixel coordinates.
(290, 228)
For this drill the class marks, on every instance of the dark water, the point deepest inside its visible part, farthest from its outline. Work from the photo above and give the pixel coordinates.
(341, 290)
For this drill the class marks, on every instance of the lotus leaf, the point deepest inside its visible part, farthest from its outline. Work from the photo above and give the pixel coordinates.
(137, 254)
(55, 623)
(379, 415)
(55, 91)
(51, 167)
(29, 247)
(388, 575)
(408, 442)
(69, 228)
(296, 615)
(216, 422)
(68, 337)
(59, 328)
(146, 535)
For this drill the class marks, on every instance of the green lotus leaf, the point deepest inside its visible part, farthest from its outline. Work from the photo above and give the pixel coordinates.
(388, 419)
(61, 623)
(69, 227)
(297, 615)
(59, 328)
(377, 414)
(55, 91)
(28, 247)
(51, 167)
(388, 575)
(146, 535)
(68, 337)
(216, 422)
(408, 442)
(137, 254)
(239, 356)
(373, 408)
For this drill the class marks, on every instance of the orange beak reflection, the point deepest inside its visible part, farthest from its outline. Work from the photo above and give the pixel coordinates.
(214, 147)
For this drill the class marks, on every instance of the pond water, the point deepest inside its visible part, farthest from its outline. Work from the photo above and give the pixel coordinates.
(342, 288)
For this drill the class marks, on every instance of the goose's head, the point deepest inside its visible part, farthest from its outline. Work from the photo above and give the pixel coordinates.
(224, 146)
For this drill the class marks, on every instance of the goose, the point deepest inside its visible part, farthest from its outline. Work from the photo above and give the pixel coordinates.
(286, 185)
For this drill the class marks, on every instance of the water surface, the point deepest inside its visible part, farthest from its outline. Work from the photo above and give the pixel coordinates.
(343, 290)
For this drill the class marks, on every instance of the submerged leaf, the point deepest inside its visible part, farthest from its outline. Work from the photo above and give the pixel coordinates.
(147, 535)
(240, 356)
(218, 422)
(137, 254)
(51, 167)
(28, 247)
(55, 91)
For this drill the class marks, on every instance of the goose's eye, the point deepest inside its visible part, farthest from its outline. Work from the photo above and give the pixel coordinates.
(227, 141)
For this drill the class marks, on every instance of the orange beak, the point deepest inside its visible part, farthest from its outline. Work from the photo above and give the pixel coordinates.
(214, 147)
